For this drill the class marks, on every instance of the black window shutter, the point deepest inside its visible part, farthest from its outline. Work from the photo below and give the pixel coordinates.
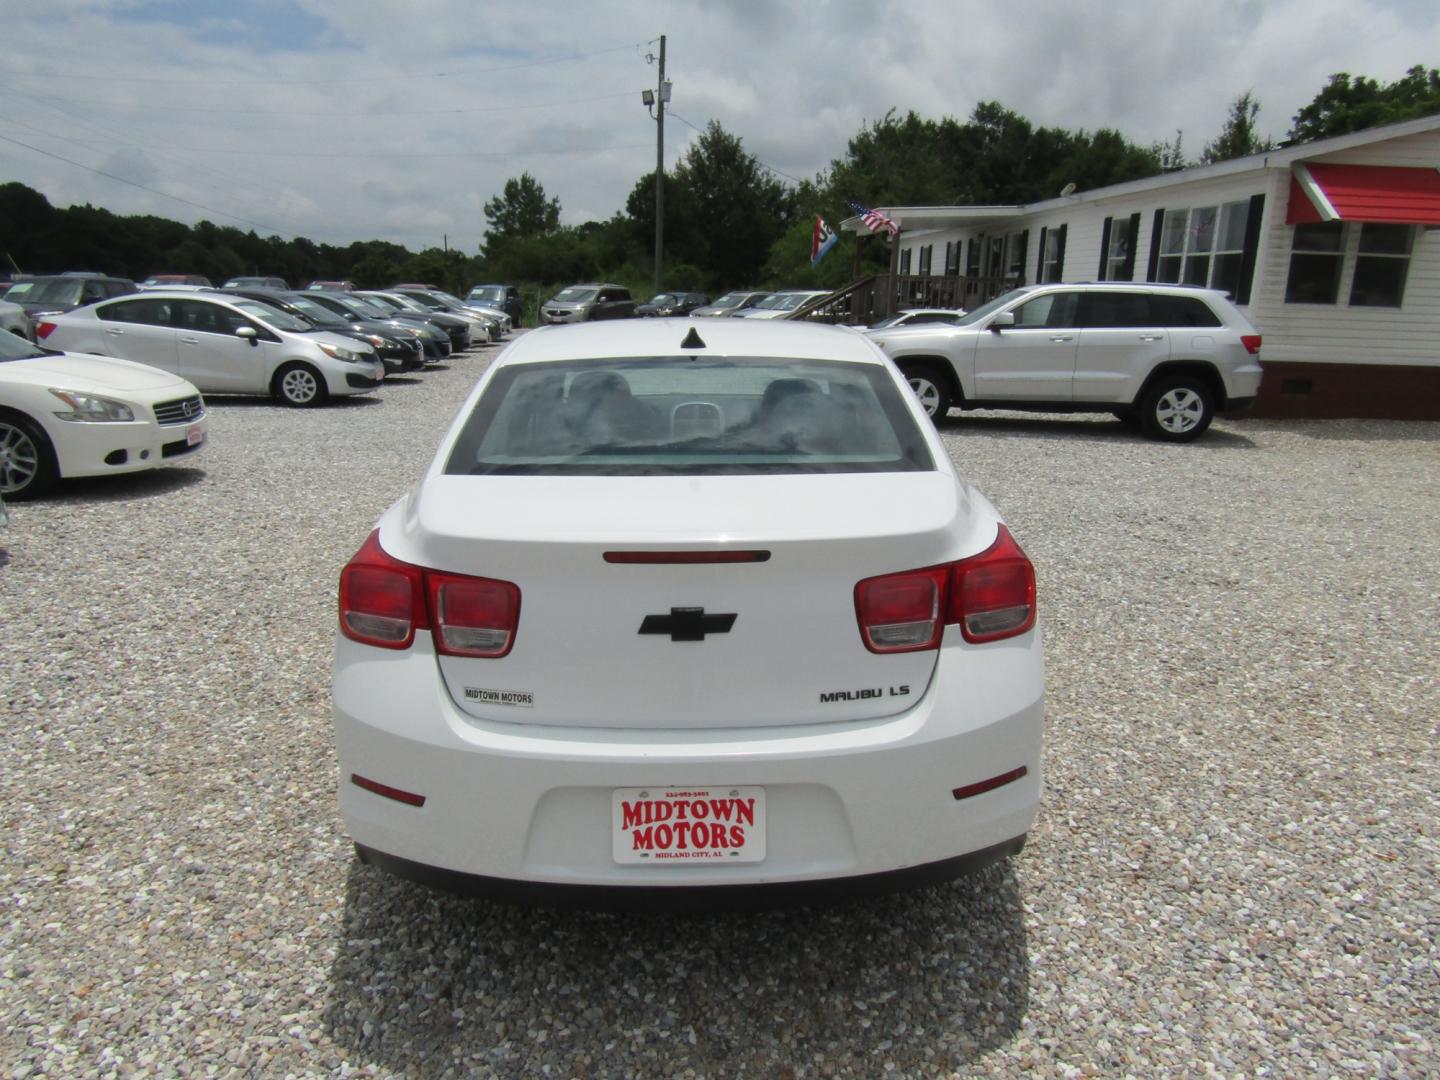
(1131, 245)
(1252, 247)
(1040, 262)
(1019, 259)
(1060, 254)
(1155, 245)
(1104, 248)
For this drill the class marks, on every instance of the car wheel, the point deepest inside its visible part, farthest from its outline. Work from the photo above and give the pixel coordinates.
(299, 385)
(1177, 409)
(930, 388)
(27, 461)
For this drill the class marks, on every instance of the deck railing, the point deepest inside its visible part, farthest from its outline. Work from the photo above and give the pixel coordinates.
(870, 299)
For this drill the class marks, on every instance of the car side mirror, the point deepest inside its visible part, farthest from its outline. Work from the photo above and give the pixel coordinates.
(249, 334)
(1004, 321)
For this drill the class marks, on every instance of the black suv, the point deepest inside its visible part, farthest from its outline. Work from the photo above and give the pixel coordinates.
(505, 297)
(668, 304)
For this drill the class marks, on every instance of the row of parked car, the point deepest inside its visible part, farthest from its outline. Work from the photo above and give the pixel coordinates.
(600, 300)
(116, 385)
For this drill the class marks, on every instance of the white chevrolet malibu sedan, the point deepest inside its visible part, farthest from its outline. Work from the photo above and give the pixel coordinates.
(65, 415)
(688, 614)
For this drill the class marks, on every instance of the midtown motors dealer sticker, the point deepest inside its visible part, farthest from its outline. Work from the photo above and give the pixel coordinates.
(688, 825)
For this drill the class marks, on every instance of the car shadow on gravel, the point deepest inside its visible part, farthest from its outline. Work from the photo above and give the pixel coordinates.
(927, 980)
(1083, 427)
(349, 401)
(124, 488)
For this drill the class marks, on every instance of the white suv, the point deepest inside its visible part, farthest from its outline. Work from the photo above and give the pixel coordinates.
(1166, 356)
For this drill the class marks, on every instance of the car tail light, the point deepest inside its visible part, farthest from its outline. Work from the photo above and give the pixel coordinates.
(1251, 343)
(901, 612)
(473, 616)
(383, 601)
(44, 329)
(990, 596)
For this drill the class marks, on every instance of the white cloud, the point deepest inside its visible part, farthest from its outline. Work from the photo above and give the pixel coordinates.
(214, 110)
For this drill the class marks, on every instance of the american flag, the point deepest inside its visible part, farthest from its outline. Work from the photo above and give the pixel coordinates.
(873, 219)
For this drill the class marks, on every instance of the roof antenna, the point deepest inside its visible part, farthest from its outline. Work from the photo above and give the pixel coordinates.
(692, 340)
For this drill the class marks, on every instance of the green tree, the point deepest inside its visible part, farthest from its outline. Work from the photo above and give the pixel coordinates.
(1348, 104)
(520, 211)
(1238, 138)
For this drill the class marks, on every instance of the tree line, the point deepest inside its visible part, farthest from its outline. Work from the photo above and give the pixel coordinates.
(730, 222)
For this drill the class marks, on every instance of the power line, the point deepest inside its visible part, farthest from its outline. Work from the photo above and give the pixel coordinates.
(71, 75)
(770, 168)
(143, 187)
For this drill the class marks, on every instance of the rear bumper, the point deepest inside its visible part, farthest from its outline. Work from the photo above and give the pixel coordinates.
(512, 809)
(694, 898)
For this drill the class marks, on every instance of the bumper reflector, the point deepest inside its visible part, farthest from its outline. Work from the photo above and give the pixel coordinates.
(409, 798)
(989, 785)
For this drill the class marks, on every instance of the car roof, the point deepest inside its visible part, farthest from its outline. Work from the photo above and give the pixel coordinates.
(623, 339)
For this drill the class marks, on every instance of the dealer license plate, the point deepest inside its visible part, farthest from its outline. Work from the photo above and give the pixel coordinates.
(195, 436)
(683, 826)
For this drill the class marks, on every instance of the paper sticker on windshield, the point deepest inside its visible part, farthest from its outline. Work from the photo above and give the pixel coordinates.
(519, 699)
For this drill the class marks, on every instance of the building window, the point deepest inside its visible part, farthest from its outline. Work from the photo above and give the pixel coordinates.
(1204, 245)
(1316, 254)
(1052, 254)
(1016, 270)
(905, 261)
(952, 258)
(925, 255)
(1117, 251)
(1381, 266)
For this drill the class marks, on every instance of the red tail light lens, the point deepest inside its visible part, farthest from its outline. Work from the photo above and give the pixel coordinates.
(383, 601)
(901, 612)
(473, 616)
(1251, 343)
(44, 329)
(990, 596)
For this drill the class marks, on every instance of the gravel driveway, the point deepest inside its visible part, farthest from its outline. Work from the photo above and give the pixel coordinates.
(1235, 867)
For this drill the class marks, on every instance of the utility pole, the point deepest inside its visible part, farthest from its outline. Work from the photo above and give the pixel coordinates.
(660, 170)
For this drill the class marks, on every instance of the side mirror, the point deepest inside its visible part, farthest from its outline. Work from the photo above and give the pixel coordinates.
(1004, 321)
(249, 334)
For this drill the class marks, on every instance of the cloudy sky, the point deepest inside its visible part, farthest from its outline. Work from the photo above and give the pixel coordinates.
(397, 119)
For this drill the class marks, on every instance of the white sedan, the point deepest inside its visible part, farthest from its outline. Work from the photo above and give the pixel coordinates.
(65, 415)
(689, 614)
(223, 343)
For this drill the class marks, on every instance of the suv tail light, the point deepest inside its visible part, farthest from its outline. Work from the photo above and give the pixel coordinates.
(990, 596)
(1251, 343)
(44, 329)
(383, 601)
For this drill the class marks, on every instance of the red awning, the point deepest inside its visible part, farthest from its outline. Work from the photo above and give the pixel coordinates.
(1379, 193)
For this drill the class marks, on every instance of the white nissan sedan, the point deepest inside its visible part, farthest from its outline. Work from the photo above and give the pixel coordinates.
(688, 615)
(66, 415)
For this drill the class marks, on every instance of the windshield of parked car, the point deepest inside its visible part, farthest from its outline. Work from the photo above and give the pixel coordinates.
(271, 316)
(575, 295)
(688, 415)
(14, 347)
(54, 291)
(730, 299)
(664, 299)
(407, 303)
(311, 310)
(492, 295)
(368, 307)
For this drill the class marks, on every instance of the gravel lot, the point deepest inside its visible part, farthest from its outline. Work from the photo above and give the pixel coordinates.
(1234, 872)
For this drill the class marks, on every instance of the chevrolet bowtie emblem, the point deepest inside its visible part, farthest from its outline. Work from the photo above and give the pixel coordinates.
(687, 624)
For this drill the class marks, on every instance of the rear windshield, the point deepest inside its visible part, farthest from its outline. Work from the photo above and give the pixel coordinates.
(53, 291)
(689, 416)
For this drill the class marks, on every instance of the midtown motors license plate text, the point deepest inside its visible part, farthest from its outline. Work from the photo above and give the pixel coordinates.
(688, 825)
